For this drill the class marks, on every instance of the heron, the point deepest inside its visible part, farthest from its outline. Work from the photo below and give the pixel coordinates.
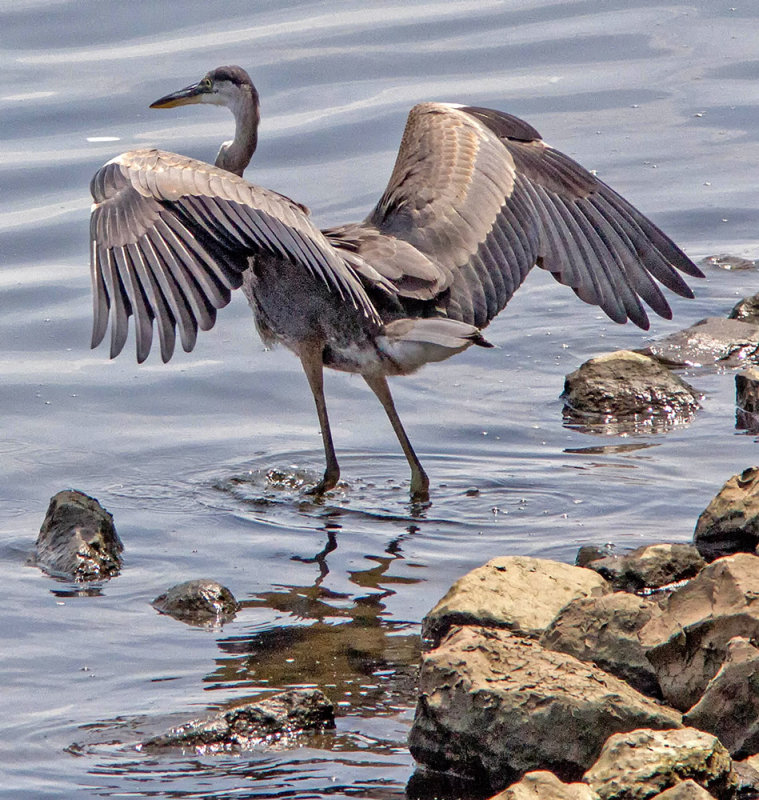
(475, 200)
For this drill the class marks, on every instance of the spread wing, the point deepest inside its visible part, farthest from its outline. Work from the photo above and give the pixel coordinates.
(171, 237)
(484, 199)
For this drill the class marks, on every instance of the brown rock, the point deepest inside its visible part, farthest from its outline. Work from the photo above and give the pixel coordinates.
(729, 707)
(604, 630)
(625, 385)
(687, 643)
(730, 523)
(650, 567)
(520, 593)
(77, 539)
(545, 786)
(198, 602)
(747, 310)
(640, 764)
(494, 706)
(687, 790)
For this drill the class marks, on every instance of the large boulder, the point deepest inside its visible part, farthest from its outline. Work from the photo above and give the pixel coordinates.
(77, 539)
(687, 643)
(649, 567)
(729, 708)
(493, 706)
(198, 602)
(730, 523)
(542, 785)
(627, 385)
(643, 763)
(520, 593)
(604, 630)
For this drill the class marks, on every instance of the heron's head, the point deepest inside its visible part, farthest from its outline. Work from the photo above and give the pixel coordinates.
(223, 86)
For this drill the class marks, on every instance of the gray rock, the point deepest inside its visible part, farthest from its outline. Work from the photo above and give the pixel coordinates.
(628, 386)
(543, 785)
(198, 602)
(494, 706)
(650, 567)
(643, 763)
(275, 719)
(714, 340)
(727, 261)
(604, 630)
(77, 539)
(729, 707)
(687, 790)
(747, 400)
(520, 593)
(747, 310)
(687, 642)
(730, 523)
(589, 553)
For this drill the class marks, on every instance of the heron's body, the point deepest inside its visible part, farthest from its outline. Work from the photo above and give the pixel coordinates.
(476, 199)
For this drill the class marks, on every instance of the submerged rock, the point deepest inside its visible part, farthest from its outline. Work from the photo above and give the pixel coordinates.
(714, 340)
(279, 717)
(628, 387)
(604, 630)
(77, 539)
(729, 707)
(542, 785)
(520, 593)
(730, 523)
(650, 567)
(494, 706)
(198, 602)
(687, 642)
(643, 763)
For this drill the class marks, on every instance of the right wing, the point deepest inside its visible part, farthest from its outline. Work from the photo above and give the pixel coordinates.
(171, 236)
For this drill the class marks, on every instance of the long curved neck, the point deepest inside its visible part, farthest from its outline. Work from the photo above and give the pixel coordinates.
(234, 156)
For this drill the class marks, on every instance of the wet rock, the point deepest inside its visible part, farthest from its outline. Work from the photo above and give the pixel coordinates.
(627, 386)
(591, 552)
(198, 602)
(728, 262)
(604, 630)
(650, 567)
(494, 706)
(714, 340)
(747, 310)
(520, 593)
(545, 786)
(730, 523)
(747, 776)
(729, 707)
(643, 763)
(77, 539)
(747, 400)
(687, 642)
(272, 720)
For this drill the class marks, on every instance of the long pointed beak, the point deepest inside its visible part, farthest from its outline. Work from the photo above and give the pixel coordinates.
(190, 94)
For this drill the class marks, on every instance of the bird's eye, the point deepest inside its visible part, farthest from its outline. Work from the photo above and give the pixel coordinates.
(206, 84)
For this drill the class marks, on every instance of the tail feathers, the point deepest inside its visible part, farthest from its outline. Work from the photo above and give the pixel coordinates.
(410, 343)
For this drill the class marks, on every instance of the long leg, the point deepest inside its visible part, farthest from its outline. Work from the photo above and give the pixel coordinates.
(420, 483)
(311, 359)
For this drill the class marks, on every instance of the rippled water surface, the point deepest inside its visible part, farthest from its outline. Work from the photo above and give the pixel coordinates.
(662, 99)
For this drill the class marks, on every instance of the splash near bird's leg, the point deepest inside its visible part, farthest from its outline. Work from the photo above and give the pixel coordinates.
(420, 483)
(311, 359)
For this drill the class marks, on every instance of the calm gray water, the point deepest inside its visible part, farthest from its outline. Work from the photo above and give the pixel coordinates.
(661, 98)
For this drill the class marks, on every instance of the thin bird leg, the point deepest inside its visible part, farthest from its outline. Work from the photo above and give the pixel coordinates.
(311, 359)
(420, 483)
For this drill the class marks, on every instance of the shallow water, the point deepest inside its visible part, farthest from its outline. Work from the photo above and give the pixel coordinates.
(662, 99)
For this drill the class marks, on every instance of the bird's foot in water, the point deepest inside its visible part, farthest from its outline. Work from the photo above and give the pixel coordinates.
(328, 482)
